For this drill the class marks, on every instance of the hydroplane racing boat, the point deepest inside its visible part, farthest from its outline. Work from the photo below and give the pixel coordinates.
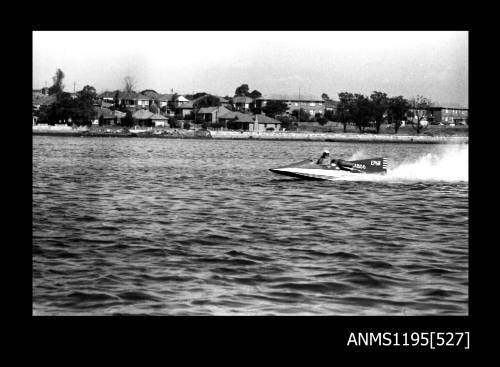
(326, 169)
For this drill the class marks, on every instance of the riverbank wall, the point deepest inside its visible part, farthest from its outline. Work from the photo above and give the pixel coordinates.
(247, 135)
(345, 137)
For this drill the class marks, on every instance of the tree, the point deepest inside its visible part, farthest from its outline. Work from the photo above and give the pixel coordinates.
(207, 101)
(379, 106)
(255, 94)
(325, 97)
(153, 108)
(195, 96)
(304, 115)
(321, 120)
(242, 90)
(419, 110)
(57, 86)
(361, 111)
(130, 84)
(148, 92)
(287, 122)
(397, 111)
(82, 109)
(346, 104)
(61, 110)
(273, 108)
(330, 115)
(128, 120)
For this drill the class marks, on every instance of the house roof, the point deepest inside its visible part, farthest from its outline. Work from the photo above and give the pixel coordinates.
(242, 99)
(221, 110)
(165, 97)
(263, 119)
(182, 99)
(236, 115)
(107, 94)
(243, 117)
(142, 115)
(157, 116)
(151, 94)
(132, 95)
(291, 97)
(119, 114)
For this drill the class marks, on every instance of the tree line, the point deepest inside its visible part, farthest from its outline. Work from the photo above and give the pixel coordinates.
(363, 111)
(352, 108)
(359, 110)
(78, 110)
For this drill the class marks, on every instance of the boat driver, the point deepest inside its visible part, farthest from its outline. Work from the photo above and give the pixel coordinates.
(325, 159)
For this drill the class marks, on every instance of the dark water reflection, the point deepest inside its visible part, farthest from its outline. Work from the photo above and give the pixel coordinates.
(174, 227)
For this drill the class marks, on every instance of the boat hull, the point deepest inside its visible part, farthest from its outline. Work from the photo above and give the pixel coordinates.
(309, 169)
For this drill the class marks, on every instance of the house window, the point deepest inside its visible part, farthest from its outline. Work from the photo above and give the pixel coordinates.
(311, 112)
(296, 104)
(312, 104)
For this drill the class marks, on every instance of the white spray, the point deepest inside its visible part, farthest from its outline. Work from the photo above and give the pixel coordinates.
(450, 163)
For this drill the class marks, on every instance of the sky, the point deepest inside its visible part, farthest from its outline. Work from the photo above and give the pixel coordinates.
(409, 63)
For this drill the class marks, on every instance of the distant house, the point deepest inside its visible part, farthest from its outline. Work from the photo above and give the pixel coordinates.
(159, 120)
(39, 99)
(165, 100)
(242, 103)
(185, 109)
(311, 104)
(236, 120)
(224, 102)
(180, 100)
(105, 116)
(448, 115)
(107, 98)
(132, 100)
(264, 123)
(212, 114)
(143, 117)
(171, 101)
(331, 105)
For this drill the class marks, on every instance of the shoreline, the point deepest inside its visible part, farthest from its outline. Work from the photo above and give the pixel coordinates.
(283, 136)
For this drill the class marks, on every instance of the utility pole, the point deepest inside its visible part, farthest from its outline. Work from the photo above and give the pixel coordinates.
(74, 87)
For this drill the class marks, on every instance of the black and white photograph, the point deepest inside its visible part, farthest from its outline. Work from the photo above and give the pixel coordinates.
(250, 173)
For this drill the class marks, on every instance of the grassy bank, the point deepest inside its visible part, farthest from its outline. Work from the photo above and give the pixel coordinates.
(408, 130)
(334, 133)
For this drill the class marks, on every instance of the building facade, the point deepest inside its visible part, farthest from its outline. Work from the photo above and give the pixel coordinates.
(447, 115)
(243, 103)
(310, 104)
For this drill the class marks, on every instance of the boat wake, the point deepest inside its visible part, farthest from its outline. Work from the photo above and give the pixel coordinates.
(450, 163)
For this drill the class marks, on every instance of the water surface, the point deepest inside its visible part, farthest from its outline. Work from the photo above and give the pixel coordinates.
(201, 227)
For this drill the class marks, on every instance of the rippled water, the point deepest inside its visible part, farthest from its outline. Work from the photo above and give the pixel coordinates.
(201, 227)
